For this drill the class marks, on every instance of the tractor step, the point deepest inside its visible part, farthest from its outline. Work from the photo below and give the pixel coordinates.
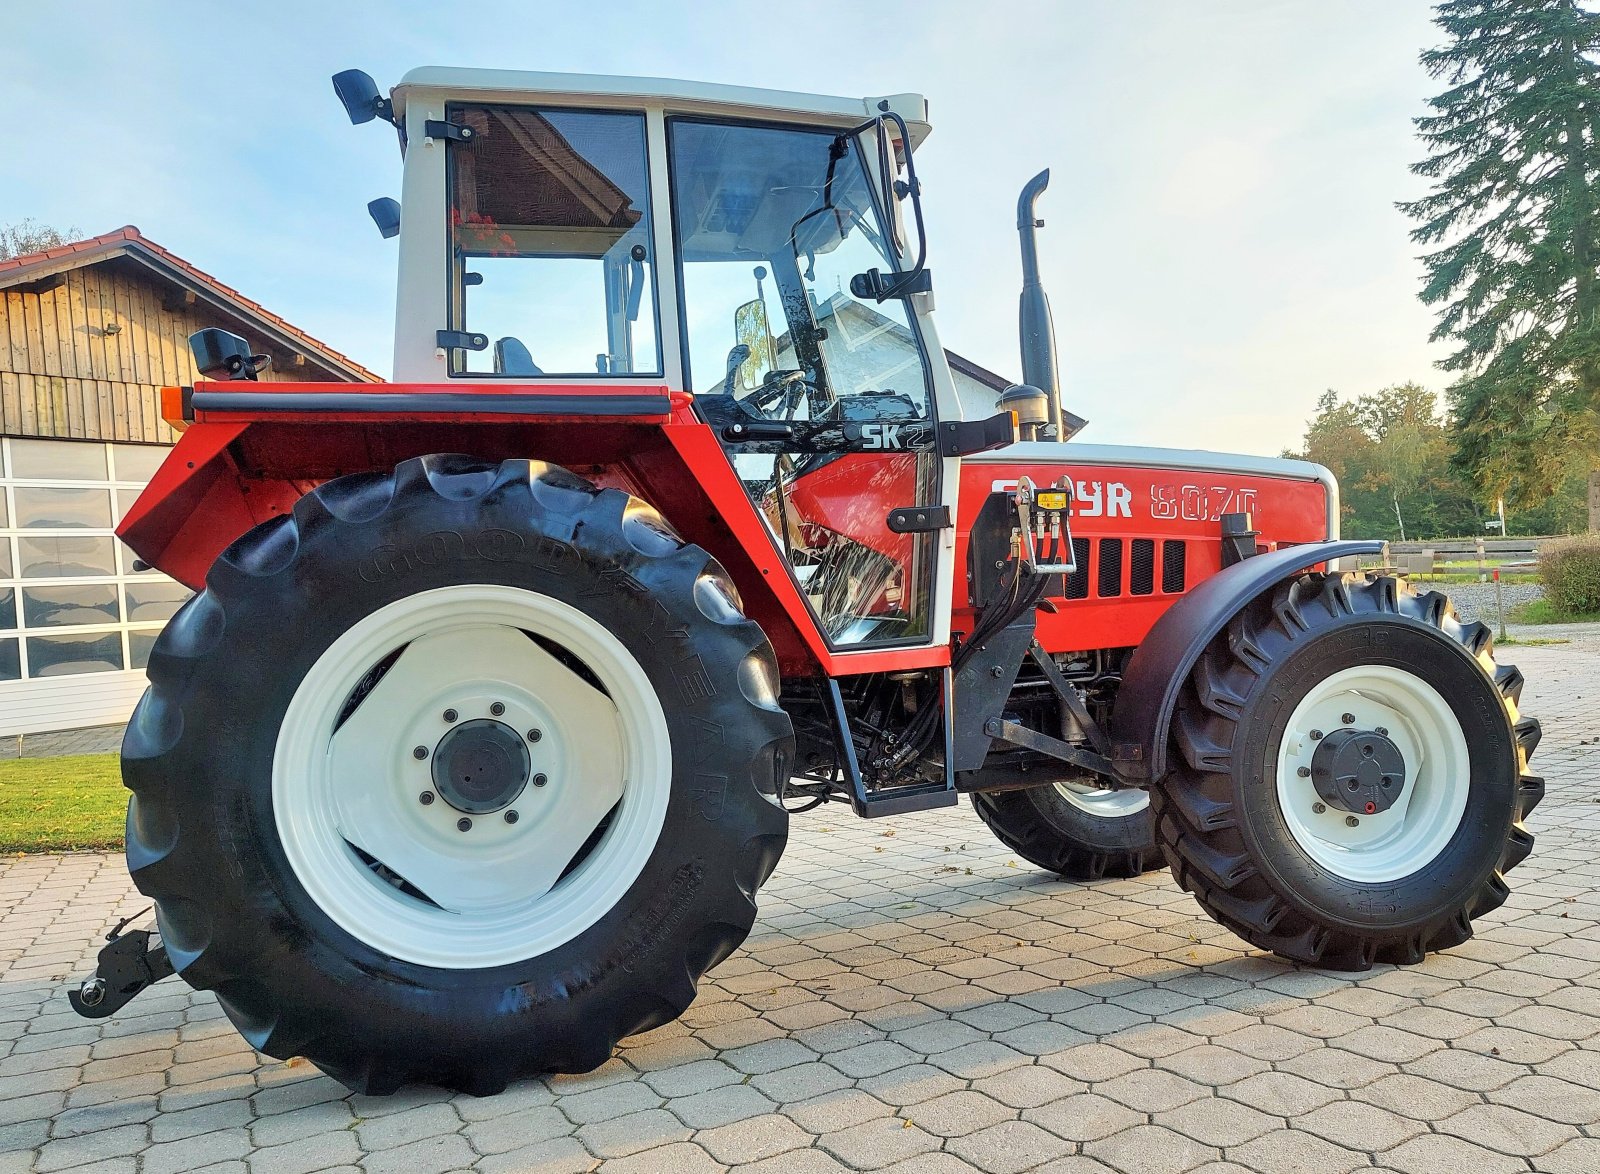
(127, 964)
(900, 800)
(874, 803)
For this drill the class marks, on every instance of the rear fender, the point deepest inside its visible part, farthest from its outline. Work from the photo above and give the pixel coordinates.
(226, 476)
(1164, 659)
(196, 505)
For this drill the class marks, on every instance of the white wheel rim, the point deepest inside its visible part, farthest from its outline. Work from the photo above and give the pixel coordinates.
(1105, 802)
(496, 893)
(1408, 836)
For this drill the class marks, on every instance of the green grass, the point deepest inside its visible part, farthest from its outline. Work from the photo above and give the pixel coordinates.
(1468, 562)
(1542, 611)
(61, 804)
(1448, 578)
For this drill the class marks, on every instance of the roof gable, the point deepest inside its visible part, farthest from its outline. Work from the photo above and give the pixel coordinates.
(32, 269)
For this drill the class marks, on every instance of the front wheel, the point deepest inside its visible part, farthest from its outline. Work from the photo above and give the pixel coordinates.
(1074, 828)
(457, 774)
(1349, 774)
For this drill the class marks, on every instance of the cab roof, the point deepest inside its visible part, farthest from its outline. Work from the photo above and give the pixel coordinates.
(696, 97)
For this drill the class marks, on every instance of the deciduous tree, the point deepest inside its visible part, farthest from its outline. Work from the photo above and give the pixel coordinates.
(29, 236)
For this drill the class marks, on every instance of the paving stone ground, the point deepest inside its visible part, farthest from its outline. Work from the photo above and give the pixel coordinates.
(914, 1000)
(89, 740)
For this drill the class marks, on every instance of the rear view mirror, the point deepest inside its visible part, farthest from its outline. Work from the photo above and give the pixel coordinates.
(892, 190)
(751, 328)
(888, 169)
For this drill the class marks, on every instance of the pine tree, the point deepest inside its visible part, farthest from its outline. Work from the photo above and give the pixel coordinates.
(1513, 225)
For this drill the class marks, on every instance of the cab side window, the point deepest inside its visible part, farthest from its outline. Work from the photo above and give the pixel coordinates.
(551, 251)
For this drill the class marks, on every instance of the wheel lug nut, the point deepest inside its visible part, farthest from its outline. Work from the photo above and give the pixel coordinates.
(1381, 731)
(497, 708)
(450, 715)
(463, 824)
(420, 752)
(1348, 719)
(1304, 772)
(540, 780)
(1316, 735)
(1318, 808)
(425, 798)
(512, 817)
(535, 735)
(1351, 821)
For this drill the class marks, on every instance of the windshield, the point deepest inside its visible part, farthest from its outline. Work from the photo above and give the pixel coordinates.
(773, 224)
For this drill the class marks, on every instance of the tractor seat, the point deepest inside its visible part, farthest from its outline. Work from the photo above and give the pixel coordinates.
(512, 358)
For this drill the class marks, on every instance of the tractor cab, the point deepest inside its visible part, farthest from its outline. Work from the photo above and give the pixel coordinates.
(761, 250)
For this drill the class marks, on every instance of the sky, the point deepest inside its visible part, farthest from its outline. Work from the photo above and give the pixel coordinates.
(1221, 242)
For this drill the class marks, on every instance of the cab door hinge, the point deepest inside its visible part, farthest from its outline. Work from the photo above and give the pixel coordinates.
(434, 129)
(919, 519)
(462, 340)
(957, 438)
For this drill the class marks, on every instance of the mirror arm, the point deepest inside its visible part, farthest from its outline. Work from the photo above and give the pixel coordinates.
(914, 280)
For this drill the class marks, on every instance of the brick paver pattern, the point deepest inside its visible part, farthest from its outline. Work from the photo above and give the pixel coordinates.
(912, 999)
(89, 740)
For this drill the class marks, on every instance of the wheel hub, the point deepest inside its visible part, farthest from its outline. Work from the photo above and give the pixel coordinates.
(1416, 741)
(410, 820)
(481, 766)
(1359, 771)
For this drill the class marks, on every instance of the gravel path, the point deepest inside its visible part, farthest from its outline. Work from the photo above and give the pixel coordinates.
(1475, 601)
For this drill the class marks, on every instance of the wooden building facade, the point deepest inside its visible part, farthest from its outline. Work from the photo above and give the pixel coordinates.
(89, 333)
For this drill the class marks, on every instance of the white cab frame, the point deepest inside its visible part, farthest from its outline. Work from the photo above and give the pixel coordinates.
(422, 301)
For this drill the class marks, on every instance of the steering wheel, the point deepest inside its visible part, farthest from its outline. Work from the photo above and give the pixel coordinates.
(783, 387)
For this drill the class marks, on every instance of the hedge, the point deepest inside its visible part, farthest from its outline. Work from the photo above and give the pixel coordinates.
(1570, 570)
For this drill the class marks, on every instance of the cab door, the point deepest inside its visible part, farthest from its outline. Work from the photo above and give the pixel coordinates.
(822, 399)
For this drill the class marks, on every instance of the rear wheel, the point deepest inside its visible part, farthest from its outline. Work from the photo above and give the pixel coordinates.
(1348, 774)
(455, 775)
(1075, 828)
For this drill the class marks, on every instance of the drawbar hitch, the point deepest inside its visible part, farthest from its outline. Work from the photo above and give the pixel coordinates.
(127, 964)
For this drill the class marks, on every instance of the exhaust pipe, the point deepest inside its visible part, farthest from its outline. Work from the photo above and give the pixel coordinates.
(1037, 332)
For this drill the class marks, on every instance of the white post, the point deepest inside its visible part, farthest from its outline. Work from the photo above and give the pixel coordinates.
(1499, 604)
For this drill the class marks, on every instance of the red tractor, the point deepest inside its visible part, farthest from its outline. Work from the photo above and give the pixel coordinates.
(502, 680)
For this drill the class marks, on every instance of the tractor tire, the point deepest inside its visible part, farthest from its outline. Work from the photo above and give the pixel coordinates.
(456, 774)
(1081, 833)
(1331, 682)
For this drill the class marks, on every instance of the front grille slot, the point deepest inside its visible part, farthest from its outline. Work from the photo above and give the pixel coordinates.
(1078, 581)
(1142, 567)
(1174, 563)
(1109, 566)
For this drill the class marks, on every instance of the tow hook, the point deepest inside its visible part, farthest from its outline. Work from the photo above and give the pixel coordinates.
(127, 964)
